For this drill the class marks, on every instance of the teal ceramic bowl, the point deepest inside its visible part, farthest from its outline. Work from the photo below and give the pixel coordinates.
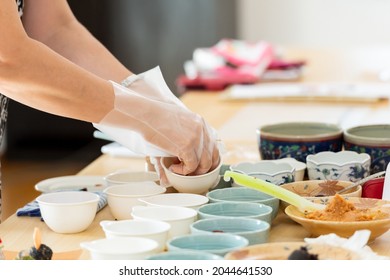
(256, 231)
(217, 243)
(244, 194)
(236, 210)
(185, 255)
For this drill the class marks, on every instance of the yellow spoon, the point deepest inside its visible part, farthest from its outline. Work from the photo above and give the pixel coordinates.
(298, 201)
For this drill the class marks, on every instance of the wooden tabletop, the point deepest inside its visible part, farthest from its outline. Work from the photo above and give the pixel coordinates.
(226, 117)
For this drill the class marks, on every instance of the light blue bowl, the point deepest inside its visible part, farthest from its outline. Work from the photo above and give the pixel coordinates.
(244, 194)
(218, 243)
(256, 231)
(185, 255)
(236, 209)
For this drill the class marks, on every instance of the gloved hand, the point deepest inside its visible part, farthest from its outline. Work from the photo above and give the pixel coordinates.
(164, 125)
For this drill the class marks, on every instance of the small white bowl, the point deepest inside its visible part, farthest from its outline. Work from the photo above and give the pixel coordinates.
(121, 198)
(68, 211)
(124, 177)
(121, 248)
(341, 166)
(176, 199)
(300, 167)
(180, 218)
(198, 184)
(278, 173)
(156, 230)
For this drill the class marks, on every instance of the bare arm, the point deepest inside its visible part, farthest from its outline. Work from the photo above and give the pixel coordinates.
(53, 23)
(33, 73)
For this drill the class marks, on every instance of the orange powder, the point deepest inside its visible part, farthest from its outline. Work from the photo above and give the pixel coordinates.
(341, 210)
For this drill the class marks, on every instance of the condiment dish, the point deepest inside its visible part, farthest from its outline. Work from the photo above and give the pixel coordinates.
(342, 228)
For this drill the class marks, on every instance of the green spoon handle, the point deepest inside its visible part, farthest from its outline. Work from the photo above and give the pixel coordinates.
(258, 184)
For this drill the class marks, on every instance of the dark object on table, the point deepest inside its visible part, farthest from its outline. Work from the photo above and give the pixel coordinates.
(302, 254)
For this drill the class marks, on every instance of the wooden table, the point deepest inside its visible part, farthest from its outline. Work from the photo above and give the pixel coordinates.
(16, 232)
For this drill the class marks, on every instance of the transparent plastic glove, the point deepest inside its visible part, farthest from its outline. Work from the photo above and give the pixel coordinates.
(151, 84)
(161, 128)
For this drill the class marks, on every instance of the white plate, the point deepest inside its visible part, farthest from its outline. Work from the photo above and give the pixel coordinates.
(91, 183)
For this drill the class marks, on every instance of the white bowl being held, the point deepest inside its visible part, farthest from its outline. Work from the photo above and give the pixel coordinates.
(197, 184)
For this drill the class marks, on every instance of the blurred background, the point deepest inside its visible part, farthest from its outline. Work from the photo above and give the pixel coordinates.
(145, 33)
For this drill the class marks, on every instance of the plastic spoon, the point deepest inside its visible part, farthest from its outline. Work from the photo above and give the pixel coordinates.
(298, 201)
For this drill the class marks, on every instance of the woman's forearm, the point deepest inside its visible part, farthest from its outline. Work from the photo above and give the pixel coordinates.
(40, 78)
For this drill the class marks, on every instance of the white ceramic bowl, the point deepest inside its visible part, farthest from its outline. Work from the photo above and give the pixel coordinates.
(176, 199)
(156, 230)
(68, 211)
(121, 248)
(198, 184)
(300, 167)
(278, 173)
(342, 166)
(180, 218)
(121, 198)
(124, 177)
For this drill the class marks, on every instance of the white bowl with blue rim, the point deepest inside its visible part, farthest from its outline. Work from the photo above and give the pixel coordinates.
(342, 166)
(277, 173)
(300, 167)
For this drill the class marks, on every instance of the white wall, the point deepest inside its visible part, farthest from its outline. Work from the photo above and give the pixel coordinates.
(333, 23)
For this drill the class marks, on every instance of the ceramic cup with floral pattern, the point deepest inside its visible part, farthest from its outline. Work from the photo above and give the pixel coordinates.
(370, 139)
(298, 139)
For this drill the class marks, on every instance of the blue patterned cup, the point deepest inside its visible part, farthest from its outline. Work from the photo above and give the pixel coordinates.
(373, 140)
(298, 139)
(342, 166)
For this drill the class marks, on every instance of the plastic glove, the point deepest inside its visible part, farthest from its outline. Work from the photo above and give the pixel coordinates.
(151, 84)
(158, 125)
